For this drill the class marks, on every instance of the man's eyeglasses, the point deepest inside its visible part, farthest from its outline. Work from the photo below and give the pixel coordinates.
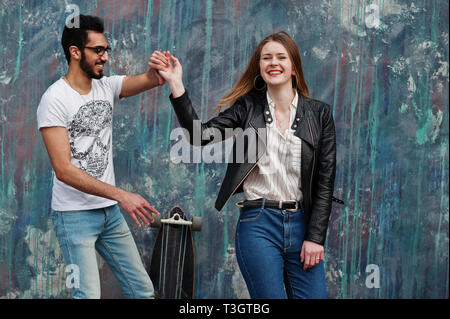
(99, 50)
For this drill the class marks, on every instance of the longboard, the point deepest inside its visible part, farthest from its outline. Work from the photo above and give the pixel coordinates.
(172, 265)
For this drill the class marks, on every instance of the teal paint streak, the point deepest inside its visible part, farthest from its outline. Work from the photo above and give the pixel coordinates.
(3, 158)
(444, 204)
(374, 113)
(148, 27)
(170, 45)
(113, 26)
(206, 59)
(353, 162)
(358, 169)
(20, 44)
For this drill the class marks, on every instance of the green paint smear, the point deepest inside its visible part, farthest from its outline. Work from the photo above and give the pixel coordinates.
(206, 58)
(20, 44)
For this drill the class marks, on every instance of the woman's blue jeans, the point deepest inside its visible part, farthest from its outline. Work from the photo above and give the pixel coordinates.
(81, 233)
(268, 246)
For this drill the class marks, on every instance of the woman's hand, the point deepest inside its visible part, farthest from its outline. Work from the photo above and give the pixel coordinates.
(311, 254)
(172, 74)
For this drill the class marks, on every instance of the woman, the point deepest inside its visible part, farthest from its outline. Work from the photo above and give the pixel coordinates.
(288, 189)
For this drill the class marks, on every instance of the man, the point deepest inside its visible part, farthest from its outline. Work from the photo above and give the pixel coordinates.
(75, 119)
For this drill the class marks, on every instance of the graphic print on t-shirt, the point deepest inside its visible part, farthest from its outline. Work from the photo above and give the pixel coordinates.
(92, 122)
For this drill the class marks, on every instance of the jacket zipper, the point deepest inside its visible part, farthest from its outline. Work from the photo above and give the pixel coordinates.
(314, 161)
(251, 169)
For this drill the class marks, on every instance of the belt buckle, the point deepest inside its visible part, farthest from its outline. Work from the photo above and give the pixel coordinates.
(239, 203)
(293, 210)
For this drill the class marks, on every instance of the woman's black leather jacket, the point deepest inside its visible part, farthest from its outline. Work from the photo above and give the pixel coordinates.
(313, 124)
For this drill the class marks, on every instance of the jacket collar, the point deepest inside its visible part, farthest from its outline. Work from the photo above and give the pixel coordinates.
(300, 124)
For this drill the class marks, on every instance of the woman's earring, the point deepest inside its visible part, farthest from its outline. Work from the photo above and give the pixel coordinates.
(294, 82)
(256, 80)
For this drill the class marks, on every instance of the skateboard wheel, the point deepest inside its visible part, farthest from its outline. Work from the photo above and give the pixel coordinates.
(196, 223)
(156, 221)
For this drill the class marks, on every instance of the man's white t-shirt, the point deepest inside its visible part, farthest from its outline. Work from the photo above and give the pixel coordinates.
(88, 119)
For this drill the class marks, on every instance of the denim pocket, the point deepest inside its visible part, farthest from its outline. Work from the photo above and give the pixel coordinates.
(250, 214)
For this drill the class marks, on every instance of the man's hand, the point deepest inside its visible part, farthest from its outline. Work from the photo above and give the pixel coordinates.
(136, 206)
(153, 73)
(173, 74)
(311, 254)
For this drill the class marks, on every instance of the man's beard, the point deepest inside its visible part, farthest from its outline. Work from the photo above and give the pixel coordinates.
(88, 69)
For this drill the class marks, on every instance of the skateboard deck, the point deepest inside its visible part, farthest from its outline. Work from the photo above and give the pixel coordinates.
(172, 265)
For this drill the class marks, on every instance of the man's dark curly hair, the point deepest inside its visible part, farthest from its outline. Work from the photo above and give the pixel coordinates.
(79, 36)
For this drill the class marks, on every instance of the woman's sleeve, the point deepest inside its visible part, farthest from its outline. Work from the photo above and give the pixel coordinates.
(212, 131)
(324, 181)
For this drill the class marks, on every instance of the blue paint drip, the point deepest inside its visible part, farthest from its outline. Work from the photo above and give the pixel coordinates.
(20, 44)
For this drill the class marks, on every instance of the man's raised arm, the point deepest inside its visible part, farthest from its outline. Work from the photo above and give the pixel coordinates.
(136, 84)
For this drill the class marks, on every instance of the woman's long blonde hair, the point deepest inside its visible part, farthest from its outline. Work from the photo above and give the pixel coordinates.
(246, 82)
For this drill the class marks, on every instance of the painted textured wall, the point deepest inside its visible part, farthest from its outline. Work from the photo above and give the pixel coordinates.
(381, 65)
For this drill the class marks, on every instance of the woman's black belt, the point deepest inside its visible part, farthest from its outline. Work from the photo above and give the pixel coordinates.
(290, 205)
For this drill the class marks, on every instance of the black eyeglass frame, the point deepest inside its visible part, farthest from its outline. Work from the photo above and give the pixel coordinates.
(100, 50)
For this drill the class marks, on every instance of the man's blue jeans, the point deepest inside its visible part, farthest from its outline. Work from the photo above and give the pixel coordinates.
(80, 233)
(268, 246)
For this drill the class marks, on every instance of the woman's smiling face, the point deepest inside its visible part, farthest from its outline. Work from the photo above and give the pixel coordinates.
(275, 65)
